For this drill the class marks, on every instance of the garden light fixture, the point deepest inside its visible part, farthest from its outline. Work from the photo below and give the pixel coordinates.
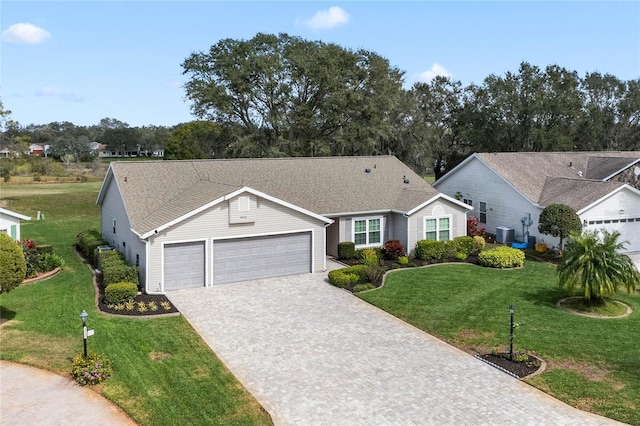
(84, 316)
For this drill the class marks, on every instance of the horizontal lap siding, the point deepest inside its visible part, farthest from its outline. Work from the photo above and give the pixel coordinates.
(416, 226)
(271, 218)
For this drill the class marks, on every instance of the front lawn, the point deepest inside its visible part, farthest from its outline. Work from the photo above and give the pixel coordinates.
(163, 372)
(593, 364)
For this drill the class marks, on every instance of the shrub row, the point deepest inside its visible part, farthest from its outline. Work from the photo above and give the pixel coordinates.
(345, 277)
(115, 268)
(122, 292)
(459, 248)
(392, 250)
(502, 257)
(88, 242)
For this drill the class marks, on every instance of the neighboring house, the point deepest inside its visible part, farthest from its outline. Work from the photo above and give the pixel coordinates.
(508, 189)
(205, 222)
(10, 222)
(35, 149)
(5, 153)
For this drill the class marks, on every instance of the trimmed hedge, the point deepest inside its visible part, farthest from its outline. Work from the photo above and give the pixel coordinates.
(88, 242)
(346, 250)
(430, 250)
(13, 268)
(502, 257)
(120, 292)
(463, 245)
(344, 277)
(478, 244)
(115, 268)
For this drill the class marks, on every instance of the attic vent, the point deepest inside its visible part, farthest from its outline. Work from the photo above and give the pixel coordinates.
(405, 180)
(367, 170)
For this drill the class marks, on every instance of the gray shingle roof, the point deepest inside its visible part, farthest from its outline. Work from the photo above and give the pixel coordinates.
(157, 192)
(576, 193)
(528, 171)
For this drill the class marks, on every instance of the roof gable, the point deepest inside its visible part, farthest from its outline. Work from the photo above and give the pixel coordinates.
(14, 214)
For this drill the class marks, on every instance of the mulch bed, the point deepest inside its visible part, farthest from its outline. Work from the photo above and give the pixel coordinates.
(140, 298)
(518, 369)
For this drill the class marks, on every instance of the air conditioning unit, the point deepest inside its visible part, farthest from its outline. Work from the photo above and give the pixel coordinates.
(504, 235)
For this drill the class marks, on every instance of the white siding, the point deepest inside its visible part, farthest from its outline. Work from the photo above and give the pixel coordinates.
(213, 224)
(10, 225)
(437, 208)
(505, 206)
(125, 241)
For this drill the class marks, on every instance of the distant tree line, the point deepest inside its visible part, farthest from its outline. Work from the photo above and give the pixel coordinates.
(279, 95)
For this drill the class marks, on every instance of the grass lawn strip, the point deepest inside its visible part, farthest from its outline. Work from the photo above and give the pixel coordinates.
(592, 363)
(187, 385)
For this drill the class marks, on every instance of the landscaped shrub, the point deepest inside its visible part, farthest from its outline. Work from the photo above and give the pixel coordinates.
(369, 257)
(91, 370)
(346, 250)
(120, 292)
(375, 271)
(501, 257)
(120, 273)
(343, 277)
(464, 244)
(474, 228)
(450, 249)
(430, 250)
(363, 287)
(478, 244)
(403, 260)
(31, 257)
(88, 242)
(393, 249)
(110, 258)
(49, 262)
(13, 268)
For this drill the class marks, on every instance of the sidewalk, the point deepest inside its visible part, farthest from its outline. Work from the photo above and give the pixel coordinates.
(30, 396)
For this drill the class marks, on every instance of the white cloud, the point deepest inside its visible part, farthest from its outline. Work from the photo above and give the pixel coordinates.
(326, 19)
(25, 33)
(59, 93)
(435, 70)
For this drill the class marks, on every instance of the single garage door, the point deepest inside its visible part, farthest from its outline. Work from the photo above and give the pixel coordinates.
(184, 265)
(629, 230)
(245, 259)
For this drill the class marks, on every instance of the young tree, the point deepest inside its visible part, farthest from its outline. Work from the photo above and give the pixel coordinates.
(559, 220)
(596, 266)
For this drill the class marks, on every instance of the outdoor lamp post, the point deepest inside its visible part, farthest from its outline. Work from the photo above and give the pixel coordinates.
(84, 316)
(511, 311)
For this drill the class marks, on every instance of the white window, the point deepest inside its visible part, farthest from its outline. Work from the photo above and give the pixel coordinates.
(367, 231)
(437, 228)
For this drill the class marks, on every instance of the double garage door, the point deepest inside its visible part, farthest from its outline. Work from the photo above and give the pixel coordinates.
(629, 230)
(240, 259)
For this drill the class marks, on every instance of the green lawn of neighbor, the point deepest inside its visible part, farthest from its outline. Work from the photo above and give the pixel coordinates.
(593, 364)
(189, 387)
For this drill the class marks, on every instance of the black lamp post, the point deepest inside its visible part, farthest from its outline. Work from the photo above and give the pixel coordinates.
(511, 311)
(84, 316)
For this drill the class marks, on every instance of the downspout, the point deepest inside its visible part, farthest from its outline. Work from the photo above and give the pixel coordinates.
(406, 216)
(324, 257)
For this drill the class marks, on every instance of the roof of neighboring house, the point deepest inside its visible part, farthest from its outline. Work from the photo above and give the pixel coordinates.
(14, 214)
(528, 172)
(157, 192)
(576, 193)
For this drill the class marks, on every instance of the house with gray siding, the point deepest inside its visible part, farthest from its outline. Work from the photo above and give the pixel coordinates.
(207, 222)
(509, 190)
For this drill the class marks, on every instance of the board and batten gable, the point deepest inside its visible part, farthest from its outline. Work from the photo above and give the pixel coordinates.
(436, 209)
(505, 206)
(213, 224)
(116, 229)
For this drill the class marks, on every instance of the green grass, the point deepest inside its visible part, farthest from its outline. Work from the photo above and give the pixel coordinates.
(593, 363)
(191, 386)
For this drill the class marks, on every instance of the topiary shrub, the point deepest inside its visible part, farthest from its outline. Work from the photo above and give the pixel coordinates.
(120, 292)
(464, 244)
(478, 244)
(344, 277)
(430, 250)
(346, 250)
(393, 249)
(120, 273)
(13, 268)
(501, 257)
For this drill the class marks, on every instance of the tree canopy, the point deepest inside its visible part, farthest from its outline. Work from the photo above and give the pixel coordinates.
(559, 220)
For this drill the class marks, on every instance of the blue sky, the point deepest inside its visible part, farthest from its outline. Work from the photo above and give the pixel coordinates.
(81, 61)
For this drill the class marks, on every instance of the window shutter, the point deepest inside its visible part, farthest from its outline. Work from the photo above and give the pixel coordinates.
(348, 233)
(420, 228)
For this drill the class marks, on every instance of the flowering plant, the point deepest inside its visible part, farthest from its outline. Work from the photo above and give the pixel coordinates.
(91, 370)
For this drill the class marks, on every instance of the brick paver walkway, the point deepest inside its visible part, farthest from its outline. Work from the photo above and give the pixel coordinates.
(313, 354)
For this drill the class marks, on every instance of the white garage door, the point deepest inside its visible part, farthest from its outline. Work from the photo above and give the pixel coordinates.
(629, 230)
(245, 259)
(184, 265)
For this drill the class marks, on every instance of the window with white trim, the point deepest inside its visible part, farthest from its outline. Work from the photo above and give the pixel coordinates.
(367, 231)
(437, 228)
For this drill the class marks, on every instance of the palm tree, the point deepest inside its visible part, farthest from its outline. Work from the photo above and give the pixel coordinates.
(597, 266)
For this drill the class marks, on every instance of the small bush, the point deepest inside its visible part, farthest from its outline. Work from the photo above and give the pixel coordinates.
(450, 249)
(501, 257)
(478, 244)
(393, 249)
(464, 244)
(91, 370)
(346, 250)
(31, 257)
(88, 241)
(120, 273)
(110, 258)
(363, 287)
(474, 228)
(403, 260)
(430, 250)
(13, 268)
(121, 292)
(49, 262)
(375, 271)
(343, 277)
(461, 256)
(369, 257)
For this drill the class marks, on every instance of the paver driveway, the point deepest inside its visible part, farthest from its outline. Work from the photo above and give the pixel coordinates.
(313, 354)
